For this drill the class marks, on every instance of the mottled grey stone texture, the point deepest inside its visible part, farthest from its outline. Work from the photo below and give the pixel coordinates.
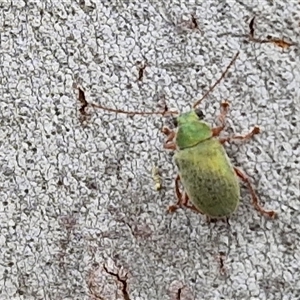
(78, 203)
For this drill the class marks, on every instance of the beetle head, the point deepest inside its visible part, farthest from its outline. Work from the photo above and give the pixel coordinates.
(193, 115)
(191, 129)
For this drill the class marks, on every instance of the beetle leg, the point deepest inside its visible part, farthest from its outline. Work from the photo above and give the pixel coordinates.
(169, 144)
(179, 196)
(255, 200)
(247, 136)
(222, 117)
(185, 202)
(224, 111)
(166, 130)
(182, 198)
(217, 130)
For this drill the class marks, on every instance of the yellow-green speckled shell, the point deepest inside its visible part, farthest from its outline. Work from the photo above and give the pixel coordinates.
(208, 178)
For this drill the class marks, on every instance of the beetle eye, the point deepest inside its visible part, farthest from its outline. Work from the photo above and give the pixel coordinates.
(174, 121)
(199, 113)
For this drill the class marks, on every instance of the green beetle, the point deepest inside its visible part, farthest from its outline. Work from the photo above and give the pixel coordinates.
(209, 179)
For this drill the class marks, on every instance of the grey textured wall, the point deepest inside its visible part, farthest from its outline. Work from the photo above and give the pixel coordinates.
(78, 202)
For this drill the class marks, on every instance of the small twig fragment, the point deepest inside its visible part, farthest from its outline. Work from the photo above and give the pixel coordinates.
(178, 295)
(141, 70)
(281, 43)
(156, 178)
(180, 291)
(221, 259)
(82, 100)
(191, 24)
(251, 26)
(276, 41)
(194, 22)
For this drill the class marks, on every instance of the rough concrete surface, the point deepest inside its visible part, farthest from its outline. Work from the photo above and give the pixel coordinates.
(80, 215)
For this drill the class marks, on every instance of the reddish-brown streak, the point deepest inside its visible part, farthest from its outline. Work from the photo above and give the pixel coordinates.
(122, 281)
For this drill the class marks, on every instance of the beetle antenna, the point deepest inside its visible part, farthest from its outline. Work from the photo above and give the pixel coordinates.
(164, 112)
(84, 103)
(218, 81)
